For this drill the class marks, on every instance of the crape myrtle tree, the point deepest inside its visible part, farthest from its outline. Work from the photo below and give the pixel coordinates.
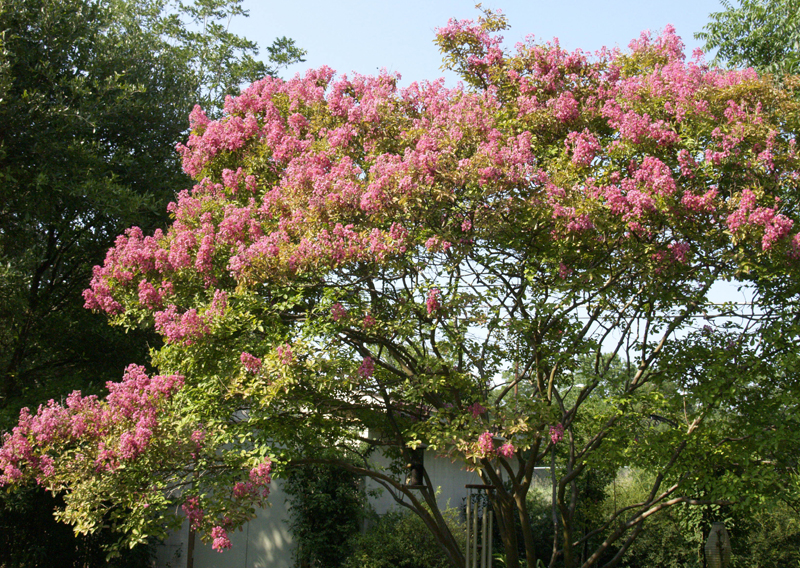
(362, 267)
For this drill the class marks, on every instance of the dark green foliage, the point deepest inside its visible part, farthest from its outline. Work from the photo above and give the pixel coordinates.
(88, 117)
(328, 507)
(767, 537)
(770, 537)
(94, 97)
(29, 537)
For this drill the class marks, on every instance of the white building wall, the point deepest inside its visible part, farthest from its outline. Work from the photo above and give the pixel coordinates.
(264, 542)
(447, 477)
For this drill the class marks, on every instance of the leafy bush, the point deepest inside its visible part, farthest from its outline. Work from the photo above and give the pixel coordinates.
(770, 539)
(400, 539)
(766, 535)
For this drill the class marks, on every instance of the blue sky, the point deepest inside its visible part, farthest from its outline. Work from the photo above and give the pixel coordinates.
(367, 35)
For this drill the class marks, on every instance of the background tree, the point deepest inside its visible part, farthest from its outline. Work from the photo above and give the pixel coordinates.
(764, 34)
(359, 264)
(95, 97)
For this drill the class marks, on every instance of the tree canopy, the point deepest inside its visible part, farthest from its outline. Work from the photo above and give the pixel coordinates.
(510, 272)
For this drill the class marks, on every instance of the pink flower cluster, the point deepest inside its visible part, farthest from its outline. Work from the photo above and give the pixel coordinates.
(556, 433)
(368, 321)
(133, 252)
(476, 409)
(198, 436)
(253, 491)
(485, 449)
(183, 328)
(109, 432)
(584, 146)
(485, 444)
(367, 368)
(250, 362)
(680, 251)
(433, 302)
(483, 47)
(333, 195)
(506, 450)
(776, 226)
(338, 312)
(257, 487)
(260, 475)
(220, 541)
(284, 354)
(437, 244)
(194, 512)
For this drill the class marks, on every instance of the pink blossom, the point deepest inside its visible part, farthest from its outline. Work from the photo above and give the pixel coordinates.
(220, 538)
(368, 321)
(219, 304)
(584, 145)
(795, 252)
(565, 107)
(367, 368)
(232, 179)
(285, 355)
(556, 433)
(242, 489)
(687, 163)
(579, 223)
(437, 244)
(250, 362)
(180, 328)
(149, 296)
(193, 511)
(260, 475)
(485, 445)
(747, 203)
(680, 251)
(779, 227)
(47, 469)
(433, 303)
(476, 409)
(775, 225)
(656, 176)
(467, 32)
(198, 436)
(506, 450)
(338, 312)
(131, 409)
(700, 203)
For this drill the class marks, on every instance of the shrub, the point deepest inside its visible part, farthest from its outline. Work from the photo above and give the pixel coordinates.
(400, 539)
(328, 507)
